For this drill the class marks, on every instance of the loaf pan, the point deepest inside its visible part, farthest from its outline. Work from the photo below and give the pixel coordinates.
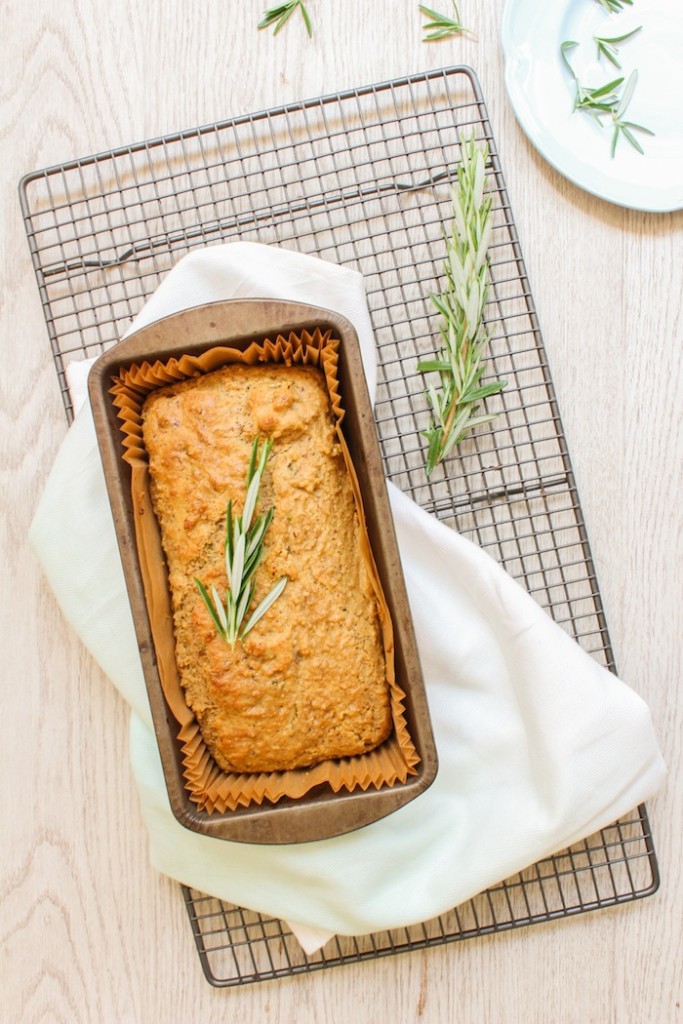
(321, 813)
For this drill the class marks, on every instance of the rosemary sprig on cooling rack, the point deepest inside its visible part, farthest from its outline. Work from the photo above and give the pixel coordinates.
(281, 13)
(454, 405)
(607, 47)
(606, 101)
(441, 26)
(243, 552)
(614, 6)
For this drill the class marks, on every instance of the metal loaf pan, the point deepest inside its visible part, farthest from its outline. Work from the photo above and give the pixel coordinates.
(321, 813)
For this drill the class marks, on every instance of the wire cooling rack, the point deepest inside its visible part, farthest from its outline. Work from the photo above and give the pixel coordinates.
(361, 178)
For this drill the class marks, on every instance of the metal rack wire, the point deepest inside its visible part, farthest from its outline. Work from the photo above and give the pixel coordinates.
(615, 866)
(361, 178)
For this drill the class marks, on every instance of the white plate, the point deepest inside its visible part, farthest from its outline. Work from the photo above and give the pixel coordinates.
(542, 94)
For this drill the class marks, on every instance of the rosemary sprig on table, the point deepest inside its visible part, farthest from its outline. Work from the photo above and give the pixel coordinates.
(281, 13)
(607, 47)
(454, 405)
(243, 552)
(614, 6)
(606, 101)
(441, 26)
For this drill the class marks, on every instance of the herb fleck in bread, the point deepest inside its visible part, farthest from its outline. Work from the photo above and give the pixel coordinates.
(309, 681)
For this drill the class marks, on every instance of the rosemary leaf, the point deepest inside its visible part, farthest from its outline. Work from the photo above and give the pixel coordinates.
(220, 610)
(609, 52)
(307, 20)
(454, 403)
(254, 482)
(218, 622)
(228, 531)
(565, 47)
(605, 90)
(620, 39)
(639, 127)
(615, 139)
(243, 552)
(267, 602)
(244, 602)
(628, 134)
(260, 527)
(235, 578)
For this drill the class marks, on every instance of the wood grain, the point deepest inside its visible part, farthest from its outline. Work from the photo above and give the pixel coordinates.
(88, 932)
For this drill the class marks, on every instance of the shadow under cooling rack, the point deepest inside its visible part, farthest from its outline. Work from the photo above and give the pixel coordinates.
(361, 178)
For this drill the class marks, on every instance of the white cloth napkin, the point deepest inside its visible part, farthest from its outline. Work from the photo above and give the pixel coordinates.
(538, 745)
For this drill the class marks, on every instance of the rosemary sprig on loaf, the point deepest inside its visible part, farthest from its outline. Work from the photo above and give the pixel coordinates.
(455, 404)
(243, 553)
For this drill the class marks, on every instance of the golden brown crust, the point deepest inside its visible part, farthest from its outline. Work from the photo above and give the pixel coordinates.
(308, 682)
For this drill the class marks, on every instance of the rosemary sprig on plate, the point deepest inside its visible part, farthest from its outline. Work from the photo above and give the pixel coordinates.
(614, 6)
(244, 538)
(455, 404)
(606, 101)
(441, 26)
(595, 101)
(281, 13)
(626, 128)
(607, 47)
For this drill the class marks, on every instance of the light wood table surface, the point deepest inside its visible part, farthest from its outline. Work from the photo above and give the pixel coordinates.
(88, 931)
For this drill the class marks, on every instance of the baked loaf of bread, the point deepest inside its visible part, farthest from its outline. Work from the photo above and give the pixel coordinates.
(308, 682)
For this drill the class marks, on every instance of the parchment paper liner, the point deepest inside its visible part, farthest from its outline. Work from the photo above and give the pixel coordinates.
(209, 786)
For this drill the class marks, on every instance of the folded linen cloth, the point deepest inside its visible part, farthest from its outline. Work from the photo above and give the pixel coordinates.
(538, 745)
